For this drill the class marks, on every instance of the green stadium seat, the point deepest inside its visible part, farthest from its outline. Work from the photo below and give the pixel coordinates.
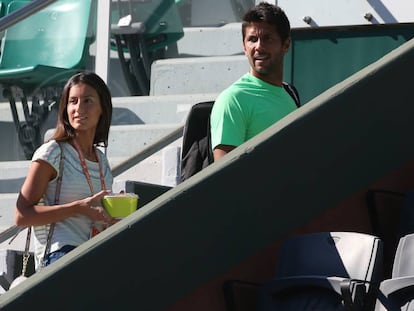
(3, 12)
(3, 7)
(42, 48)
(38, 55)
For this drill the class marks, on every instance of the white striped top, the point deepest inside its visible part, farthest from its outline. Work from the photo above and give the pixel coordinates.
(73, 230)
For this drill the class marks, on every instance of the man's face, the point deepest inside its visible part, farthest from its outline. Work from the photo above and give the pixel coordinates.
(264, 50)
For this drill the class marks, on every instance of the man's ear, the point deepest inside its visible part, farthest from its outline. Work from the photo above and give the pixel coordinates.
(244, 47)
(286, 45)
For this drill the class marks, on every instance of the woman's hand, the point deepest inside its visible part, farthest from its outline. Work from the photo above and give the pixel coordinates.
(92, 208)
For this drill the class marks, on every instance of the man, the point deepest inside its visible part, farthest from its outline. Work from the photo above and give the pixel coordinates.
(258, 99)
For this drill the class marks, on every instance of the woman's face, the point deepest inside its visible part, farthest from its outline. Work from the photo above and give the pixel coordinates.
(83, 108)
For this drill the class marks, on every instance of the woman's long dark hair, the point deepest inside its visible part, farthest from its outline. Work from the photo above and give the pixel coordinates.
(64, 131)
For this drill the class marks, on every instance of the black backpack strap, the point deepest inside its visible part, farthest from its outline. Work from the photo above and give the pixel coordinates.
(293, 92)
(210, 156)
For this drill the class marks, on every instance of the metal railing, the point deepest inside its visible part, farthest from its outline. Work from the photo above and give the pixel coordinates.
(150, 150)
(23, 12)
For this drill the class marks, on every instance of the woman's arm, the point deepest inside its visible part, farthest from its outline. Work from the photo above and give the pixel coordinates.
(29, 213)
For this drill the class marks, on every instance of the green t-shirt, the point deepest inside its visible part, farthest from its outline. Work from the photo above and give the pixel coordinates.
(246, 108)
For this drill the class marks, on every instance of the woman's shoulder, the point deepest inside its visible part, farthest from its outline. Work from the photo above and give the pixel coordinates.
(49, 152)
(47, 147)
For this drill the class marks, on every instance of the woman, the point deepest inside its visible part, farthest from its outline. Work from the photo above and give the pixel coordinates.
(84, 119)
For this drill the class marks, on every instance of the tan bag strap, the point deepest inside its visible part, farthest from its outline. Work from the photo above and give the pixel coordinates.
(26, 253)
(57, 194)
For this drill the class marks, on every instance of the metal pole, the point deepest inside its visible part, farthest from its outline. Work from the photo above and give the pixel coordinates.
(102, 38)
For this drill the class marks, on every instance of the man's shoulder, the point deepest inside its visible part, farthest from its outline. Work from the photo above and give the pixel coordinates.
(245, 81)
(238, 87)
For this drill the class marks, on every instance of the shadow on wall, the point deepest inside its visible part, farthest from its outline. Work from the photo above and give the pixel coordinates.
(10, 185)
(9, 139)
(124, 116)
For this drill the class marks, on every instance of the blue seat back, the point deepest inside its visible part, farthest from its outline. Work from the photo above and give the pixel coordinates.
(340, 254)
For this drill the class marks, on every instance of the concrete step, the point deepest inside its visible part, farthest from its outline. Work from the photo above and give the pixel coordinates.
(7, 205)
(136, 110)
(12, 174)
(156, 109)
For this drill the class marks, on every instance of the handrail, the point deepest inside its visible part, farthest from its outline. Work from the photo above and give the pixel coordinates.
(25, 11)
(145, 153)
(8, 233)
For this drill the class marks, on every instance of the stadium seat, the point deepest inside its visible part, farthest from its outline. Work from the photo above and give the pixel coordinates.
(323, 271)
(38, 55)
(342, 264)
(397, 292)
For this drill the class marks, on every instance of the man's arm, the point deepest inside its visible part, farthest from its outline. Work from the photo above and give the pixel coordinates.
(221, 150)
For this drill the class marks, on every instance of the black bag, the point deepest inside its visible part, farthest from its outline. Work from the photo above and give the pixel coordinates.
(196, 149)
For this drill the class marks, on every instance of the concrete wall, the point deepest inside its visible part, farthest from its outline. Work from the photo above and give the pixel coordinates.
(194, 75)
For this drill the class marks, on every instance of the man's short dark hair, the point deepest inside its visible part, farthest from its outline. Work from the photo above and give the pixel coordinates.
(268, 13)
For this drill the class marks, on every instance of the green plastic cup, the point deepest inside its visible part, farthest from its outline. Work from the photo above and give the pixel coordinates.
(120, 205)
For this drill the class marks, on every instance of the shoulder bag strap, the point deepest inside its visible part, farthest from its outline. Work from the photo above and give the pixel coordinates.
(26, 253)
(293, 92)
(57, 194)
